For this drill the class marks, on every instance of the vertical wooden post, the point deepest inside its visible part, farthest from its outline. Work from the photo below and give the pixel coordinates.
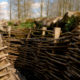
(79, 28)
(1, 41)
(28, 36)
(44, 31)
(9, 31)
(57, 32)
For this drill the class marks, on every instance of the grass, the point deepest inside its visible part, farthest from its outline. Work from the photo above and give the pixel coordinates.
(26, 25)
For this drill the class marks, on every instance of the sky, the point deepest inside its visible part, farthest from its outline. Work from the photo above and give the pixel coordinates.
(3, 0)
(4, 9)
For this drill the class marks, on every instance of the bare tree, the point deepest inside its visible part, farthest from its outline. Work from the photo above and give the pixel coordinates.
(24, 8)
(41, 8)
(77, 6)
(29, 8)
(48, 3)
(10, 9)
(59, 7)
(19, 12)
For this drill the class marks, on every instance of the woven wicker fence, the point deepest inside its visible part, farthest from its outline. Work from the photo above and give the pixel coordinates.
(41, 59)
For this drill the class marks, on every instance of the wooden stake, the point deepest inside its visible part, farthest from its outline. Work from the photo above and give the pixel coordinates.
(57, 32)
(28, 36)
(44, 31)
(9, 31)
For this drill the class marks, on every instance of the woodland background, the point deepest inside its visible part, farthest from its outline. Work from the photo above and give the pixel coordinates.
(23, 9)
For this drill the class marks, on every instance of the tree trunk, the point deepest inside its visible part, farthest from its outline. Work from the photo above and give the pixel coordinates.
(48, 7)
(10, 10)
(24, 9)
(41, 15)
(19, 9)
